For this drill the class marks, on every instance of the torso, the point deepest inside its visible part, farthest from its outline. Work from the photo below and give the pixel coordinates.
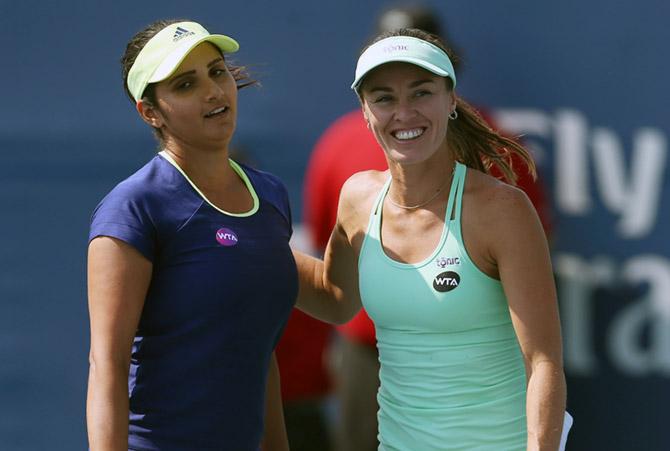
(222, 288)
(477, 219)
(451, 366)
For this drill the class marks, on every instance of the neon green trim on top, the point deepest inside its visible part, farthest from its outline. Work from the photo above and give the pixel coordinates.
(238, 170)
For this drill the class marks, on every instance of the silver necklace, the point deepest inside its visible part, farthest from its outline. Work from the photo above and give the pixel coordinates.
(437, 193)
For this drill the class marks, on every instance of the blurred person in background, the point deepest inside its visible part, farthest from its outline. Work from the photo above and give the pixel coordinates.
(457, 276)
(182, 333)
(355, 360)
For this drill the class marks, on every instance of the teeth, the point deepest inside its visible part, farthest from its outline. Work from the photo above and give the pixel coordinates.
(216, 111)
(409, 134)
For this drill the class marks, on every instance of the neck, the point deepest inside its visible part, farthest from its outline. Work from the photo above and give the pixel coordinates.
(417, 185)
(206, 168)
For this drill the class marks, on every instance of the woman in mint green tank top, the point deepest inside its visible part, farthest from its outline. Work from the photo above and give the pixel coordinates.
(451, 264)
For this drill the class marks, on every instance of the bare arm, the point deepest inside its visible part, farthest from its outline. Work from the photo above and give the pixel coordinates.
(274, 434)
(522, 256)
(118, 279)
(329, 288)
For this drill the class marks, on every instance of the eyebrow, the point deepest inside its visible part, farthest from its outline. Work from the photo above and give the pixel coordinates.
(414, 84)
(191, 72)
(214, 61)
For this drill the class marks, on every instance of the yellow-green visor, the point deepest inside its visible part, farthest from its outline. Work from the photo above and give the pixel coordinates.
(164, 52)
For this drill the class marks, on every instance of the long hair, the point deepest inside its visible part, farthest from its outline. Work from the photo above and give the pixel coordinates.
(471, 139)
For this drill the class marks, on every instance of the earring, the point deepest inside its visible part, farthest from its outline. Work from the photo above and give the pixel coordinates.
(453, 115)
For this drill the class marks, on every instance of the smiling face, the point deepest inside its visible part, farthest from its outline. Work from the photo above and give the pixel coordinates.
(407, 108)
(197, 105)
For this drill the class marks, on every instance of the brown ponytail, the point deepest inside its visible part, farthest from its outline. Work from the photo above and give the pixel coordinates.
(478, 146)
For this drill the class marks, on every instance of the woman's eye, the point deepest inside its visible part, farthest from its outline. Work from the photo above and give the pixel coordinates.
(218, 72)
(382, 99)
(422, 93)
(184, 85)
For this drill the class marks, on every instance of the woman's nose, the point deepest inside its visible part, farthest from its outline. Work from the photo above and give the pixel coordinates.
(404, 110)
(214, 91)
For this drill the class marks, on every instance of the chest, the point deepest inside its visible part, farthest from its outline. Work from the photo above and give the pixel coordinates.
(234, 270)
(443, 293)
(411, 238)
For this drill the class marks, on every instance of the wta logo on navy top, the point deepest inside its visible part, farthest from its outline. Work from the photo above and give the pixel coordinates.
(226, 237)
(446, 281)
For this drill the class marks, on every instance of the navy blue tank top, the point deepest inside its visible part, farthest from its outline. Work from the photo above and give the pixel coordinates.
(222, 288)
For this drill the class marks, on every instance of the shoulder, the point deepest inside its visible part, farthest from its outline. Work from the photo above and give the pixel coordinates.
(363, 186)
(494, 193)
(269, 188)
(143, 184)
(263, 180)
(154, 183)
(357, 198)
(497, 210)
(495, 199)
(156, 193)
(135, 208)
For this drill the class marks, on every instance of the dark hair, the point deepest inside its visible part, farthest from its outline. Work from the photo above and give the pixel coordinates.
(137, 43)
(473, 141)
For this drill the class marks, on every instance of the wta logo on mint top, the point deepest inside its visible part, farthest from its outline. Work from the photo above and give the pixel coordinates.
(446, 281)
(226, 237)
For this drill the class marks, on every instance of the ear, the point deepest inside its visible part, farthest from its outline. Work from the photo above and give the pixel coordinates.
(367, 120)
(452, 104)
(149, 113)
(364, 110)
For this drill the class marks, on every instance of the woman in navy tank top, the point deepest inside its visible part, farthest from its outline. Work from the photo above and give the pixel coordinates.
(190, 275)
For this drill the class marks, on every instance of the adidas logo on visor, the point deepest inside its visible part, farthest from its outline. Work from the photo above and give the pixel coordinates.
(181, 33)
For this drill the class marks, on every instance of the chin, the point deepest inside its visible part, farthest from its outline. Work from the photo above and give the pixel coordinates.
(216, 142)
(405, 158)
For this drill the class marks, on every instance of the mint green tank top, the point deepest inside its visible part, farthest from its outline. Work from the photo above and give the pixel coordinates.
(452, 374)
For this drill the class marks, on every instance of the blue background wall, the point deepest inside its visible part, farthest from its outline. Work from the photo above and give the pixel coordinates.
(586, 82)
